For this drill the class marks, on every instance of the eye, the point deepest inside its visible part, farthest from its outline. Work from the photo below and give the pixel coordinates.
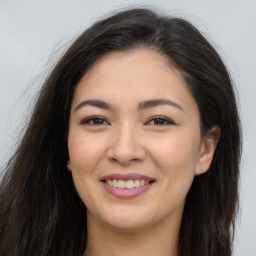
(160, 120)
(95, 120)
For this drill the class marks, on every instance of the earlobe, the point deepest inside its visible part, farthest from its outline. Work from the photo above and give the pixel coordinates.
(68, 165)
(208, 146)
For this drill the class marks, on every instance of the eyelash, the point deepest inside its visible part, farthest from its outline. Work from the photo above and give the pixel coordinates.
(163, 121)
(94, 118)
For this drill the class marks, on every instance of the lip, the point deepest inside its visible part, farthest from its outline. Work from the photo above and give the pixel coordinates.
(123, 192)
(126, 193)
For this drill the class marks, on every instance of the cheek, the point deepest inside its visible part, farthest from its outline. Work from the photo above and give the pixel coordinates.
(84, 153)
(176, 159)
(176, 151)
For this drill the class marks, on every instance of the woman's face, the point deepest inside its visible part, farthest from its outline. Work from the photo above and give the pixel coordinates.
(134, 140)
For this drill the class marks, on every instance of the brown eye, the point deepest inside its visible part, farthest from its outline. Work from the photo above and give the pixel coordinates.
(95, 121)
(159, 120)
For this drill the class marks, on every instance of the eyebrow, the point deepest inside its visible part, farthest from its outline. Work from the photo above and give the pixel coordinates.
(94, 103)
(141, 106)
(158, 102)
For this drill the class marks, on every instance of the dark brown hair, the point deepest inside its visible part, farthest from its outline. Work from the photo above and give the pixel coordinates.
(41, 213)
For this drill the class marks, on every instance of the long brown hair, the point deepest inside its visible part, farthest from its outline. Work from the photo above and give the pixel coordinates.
(41, 213)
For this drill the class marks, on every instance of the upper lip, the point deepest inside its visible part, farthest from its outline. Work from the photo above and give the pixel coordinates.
(127, 176)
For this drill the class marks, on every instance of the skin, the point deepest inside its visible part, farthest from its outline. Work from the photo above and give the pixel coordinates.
(130, 140)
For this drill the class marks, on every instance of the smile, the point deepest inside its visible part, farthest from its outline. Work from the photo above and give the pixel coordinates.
(127, 185)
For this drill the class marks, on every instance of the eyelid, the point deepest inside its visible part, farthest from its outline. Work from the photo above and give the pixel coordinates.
(86, 121)
(166, 119)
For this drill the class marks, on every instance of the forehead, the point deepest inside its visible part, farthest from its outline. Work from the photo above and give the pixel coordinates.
(136, 75)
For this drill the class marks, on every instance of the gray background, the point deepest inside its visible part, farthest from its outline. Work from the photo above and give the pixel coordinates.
(34, 33)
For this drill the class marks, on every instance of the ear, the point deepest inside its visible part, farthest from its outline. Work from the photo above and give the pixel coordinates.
(68, 165)
(207, 149)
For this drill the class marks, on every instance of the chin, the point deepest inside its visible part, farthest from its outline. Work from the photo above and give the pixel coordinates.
(127, 219)
(127, 225)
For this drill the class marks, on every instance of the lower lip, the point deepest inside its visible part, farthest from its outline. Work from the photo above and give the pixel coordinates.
(127, 193)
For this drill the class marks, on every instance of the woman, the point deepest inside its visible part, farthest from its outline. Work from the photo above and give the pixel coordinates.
(133, 147)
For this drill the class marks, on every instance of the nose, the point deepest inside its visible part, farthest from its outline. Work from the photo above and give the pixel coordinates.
(126, 146)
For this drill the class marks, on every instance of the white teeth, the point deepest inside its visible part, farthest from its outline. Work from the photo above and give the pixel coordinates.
(129, 184)
(137, 183)
(114, 183)
(121, 184)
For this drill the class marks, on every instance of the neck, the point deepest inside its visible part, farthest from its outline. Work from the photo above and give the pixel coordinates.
(161, 240)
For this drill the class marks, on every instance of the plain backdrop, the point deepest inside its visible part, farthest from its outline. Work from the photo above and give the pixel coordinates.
(34, 33)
